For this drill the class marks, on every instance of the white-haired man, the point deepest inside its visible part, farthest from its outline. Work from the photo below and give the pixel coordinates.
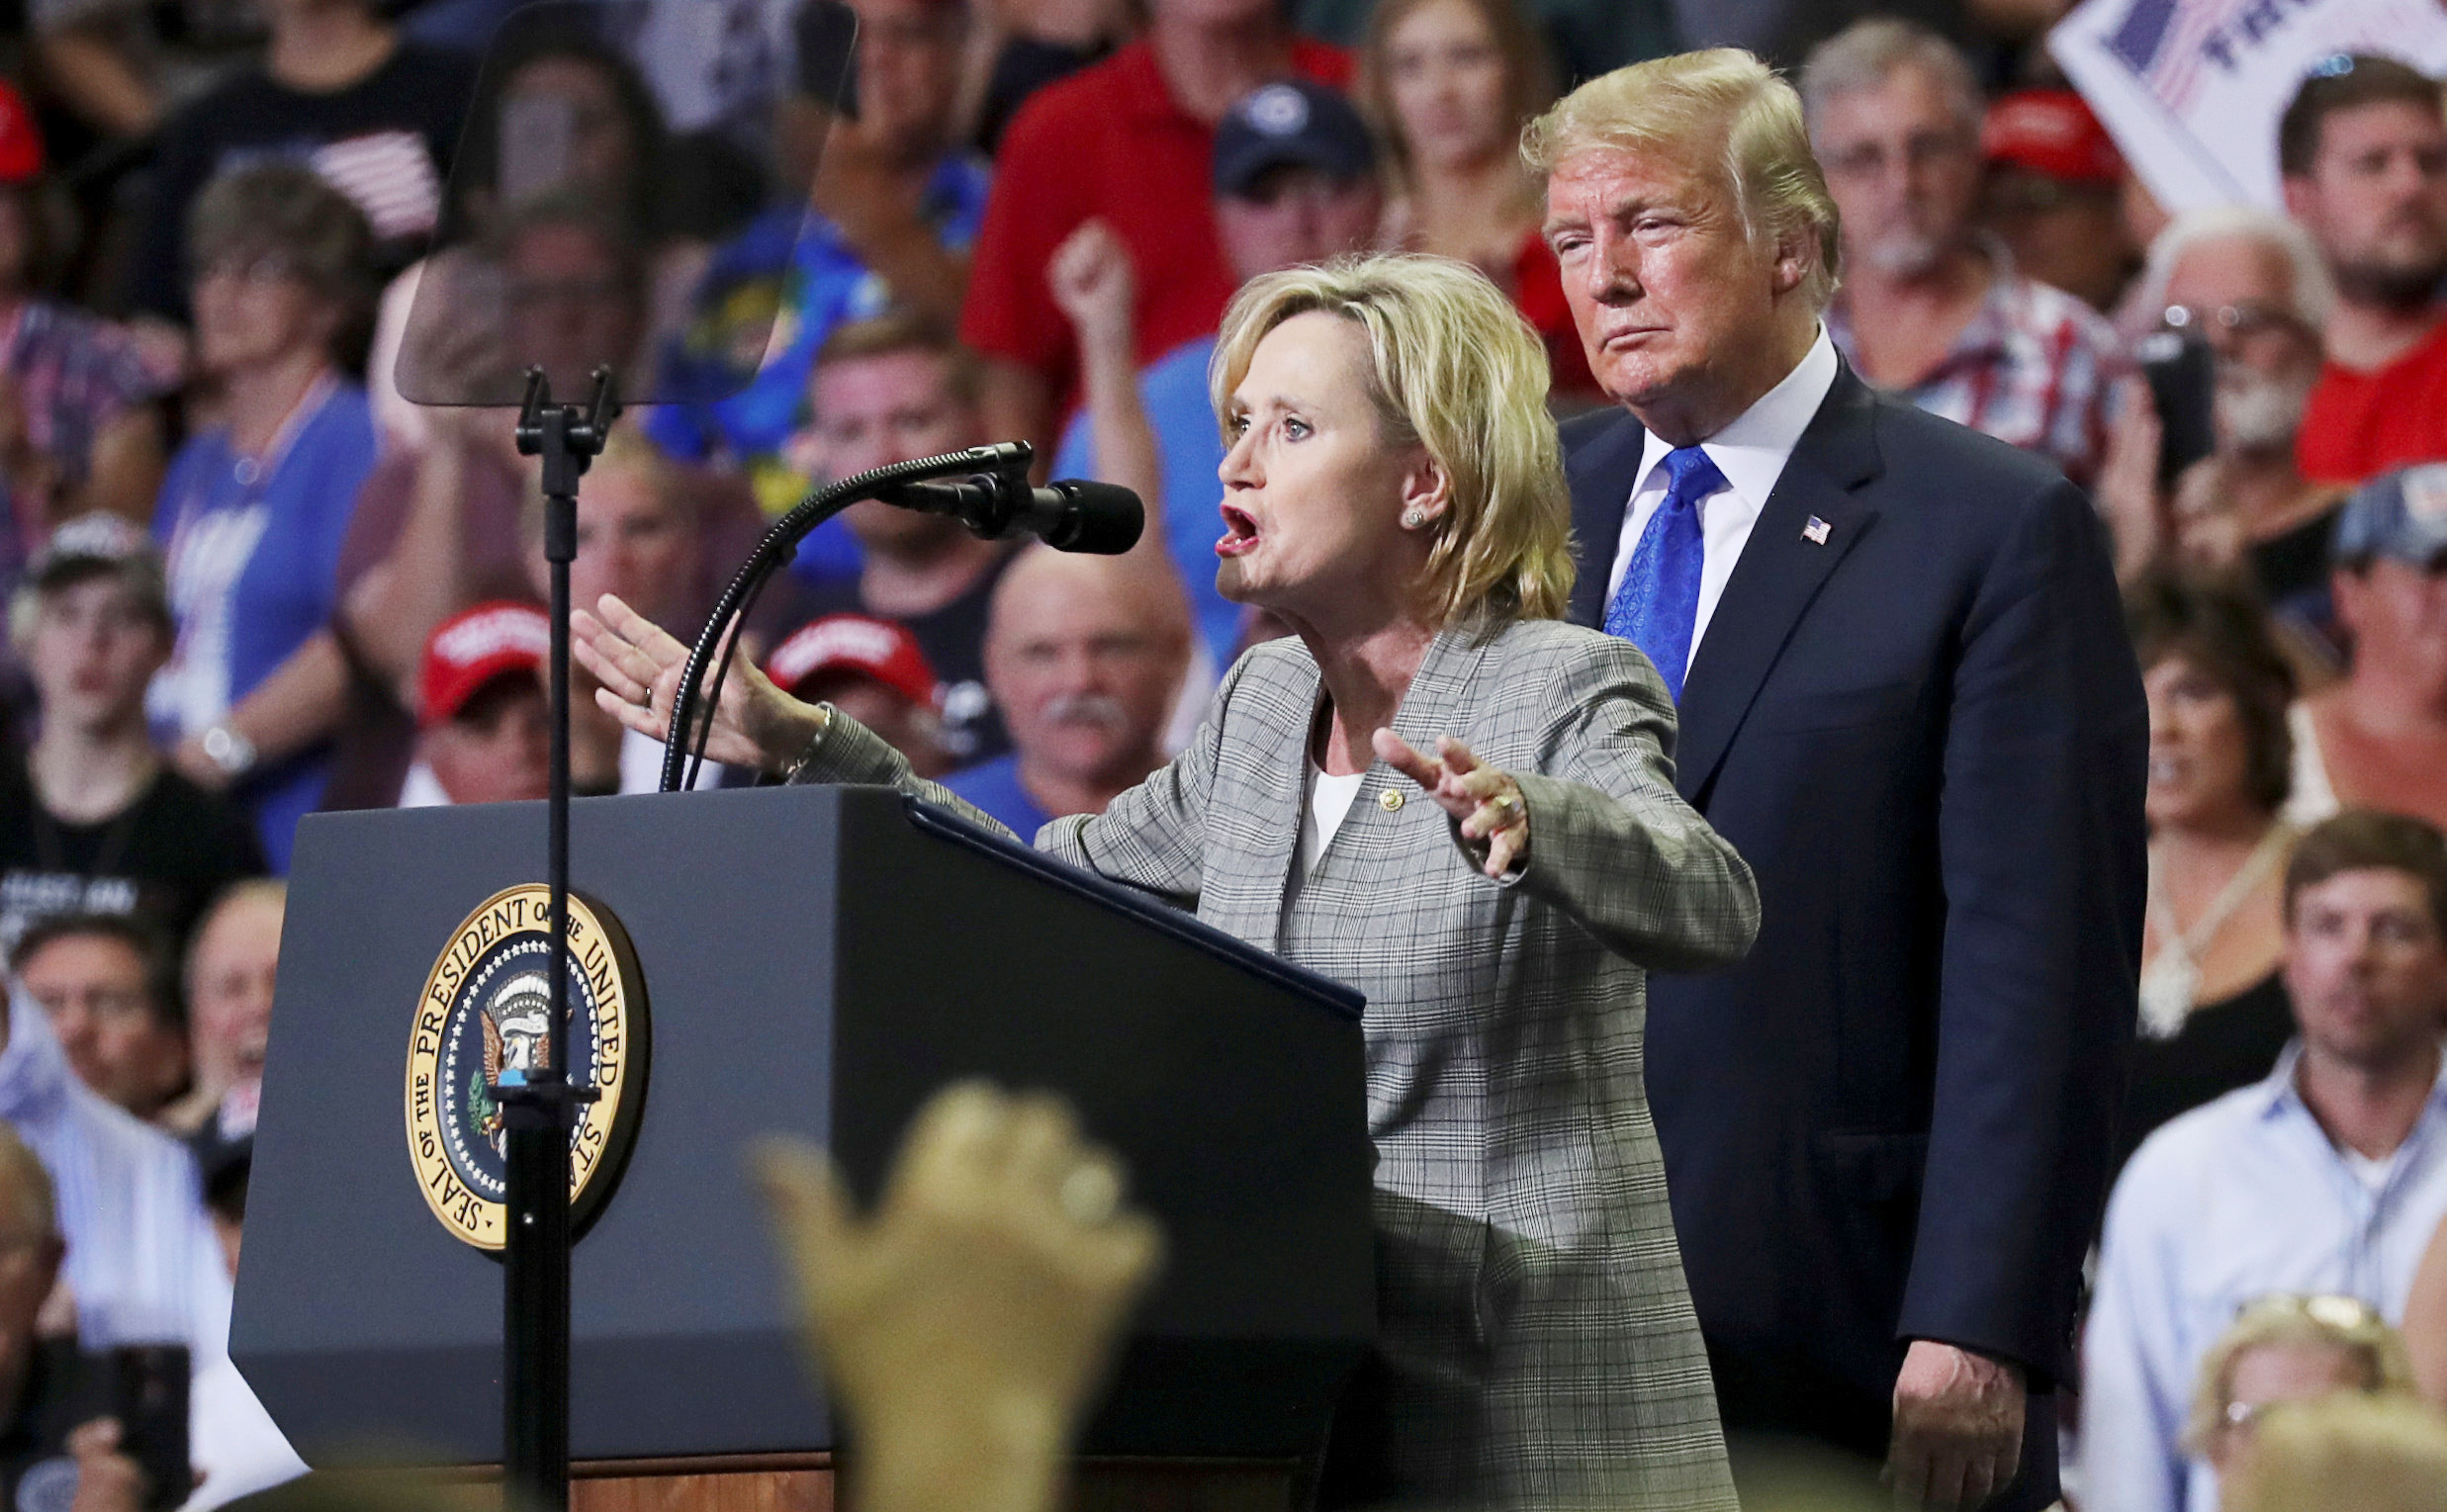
(1932, 310)
(2252, 285)
(1906, 696)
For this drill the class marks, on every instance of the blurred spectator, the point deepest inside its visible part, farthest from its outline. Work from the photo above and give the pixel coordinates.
(2287, 1347)
(2363, 152)
(873, 671)
(643, 527)
(2214, 1012)
(1294, 183)
(966, 1324)
(890, 390)
(338, 92)
(232, 966)
(46, 1385)
(900, 203)
(78, 429)
(1128, 142)
(2378, 739)
(255, 509)
(2371, 1454)
(1026, 44)
(437, 526)
(486, 733)
(118, 65)
(1084, 655)
(90, 819)
(109, 984)
(2252, 286)
(1449, 84)
(1929, 308)
(144, 1263)
(2328, 1176)
(2055, 194)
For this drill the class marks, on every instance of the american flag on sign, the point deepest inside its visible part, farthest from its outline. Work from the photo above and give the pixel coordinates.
(2162, 41)
(2191, 89)
(390, 176)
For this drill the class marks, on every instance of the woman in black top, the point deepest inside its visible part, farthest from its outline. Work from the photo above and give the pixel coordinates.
(2214, 1013)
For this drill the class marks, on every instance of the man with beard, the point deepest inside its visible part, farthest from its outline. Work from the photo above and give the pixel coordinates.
(1932, 310)
(2253, 286)
(1084, 655)
(2363, 151)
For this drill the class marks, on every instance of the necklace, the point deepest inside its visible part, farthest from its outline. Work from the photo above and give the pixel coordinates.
(2172, 979)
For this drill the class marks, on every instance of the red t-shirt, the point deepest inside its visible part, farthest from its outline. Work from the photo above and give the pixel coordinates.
(1107, 142)
(2363, 424)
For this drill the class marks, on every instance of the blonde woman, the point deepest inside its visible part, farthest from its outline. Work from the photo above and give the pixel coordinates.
(2284, 1348)
(1439, 794)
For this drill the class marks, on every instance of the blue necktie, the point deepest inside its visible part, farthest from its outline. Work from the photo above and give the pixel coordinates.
(1658, 604)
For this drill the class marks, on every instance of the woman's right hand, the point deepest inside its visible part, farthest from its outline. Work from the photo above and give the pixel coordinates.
(638, 665)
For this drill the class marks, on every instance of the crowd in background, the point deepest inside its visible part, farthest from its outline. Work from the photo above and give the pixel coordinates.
(250, 578)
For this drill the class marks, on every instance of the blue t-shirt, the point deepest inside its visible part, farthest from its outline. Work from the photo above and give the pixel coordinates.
(995, 786)
(1173, 388)
(792, 267)
(253, 552)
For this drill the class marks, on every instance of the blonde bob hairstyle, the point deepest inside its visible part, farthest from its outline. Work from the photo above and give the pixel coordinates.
(1455, 369)
(2286, 1319)
(1683, 106)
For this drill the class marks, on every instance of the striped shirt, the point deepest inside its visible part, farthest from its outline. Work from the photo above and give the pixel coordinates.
(2033, 367)
(143, 1260)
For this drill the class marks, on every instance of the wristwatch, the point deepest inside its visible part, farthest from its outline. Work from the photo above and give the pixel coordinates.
(229, 750)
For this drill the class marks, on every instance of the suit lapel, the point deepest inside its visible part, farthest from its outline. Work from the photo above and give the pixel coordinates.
(1601, 467)
(1786, 559)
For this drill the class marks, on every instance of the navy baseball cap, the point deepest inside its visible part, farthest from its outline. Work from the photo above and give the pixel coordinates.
(2401, 515)
(1293, 123)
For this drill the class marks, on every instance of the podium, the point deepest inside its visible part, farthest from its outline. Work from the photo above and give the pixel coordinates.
(818, 961)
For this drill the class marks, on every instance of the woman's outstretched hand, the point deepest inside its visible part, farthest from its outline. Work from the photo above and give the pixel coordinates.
(638, 665)
(1486, 799)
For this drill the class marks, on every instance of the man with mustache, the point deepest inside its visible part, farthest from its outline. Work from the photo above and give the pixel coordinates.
(2363, 152)
(1931, 310)
(1084, 655)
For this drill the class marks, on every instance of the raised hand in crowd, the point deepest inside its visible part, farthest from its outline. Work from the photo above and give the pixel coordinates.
(1096, 286)
(106, 1481)
(966, 1324)
(2126, 492)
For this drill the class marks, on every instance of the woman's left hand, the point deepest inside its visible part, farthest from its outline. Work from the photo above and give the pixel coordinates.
(1486, 799)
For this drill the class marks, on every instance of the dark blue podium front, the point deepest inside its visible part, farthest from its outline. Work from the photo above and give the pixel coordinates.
(817, 961)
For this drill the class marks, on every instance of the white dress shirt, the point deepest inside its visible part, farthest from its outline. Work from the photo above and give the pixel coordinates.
(1751, 453)
(2229, 1202)
(143, 1261)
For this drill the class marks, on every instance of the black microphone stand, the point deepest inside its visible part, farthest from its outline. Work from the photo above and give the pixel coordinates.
(538, 1106)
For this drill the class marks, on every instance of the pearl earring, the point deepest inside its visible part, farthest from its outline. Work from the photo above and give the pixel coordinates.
(1414, 517)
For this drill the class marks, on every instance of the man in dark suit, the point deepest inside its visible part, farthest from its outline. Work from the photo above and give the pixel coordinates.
(1907, 697)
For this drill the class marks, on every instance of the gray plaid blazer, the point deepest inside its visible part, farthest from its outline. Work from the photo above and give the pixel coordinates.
(1537, 1340)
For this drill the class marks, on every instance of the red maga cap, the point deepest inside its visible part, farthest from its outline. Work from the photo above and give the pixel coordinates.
(471, 649)
(875, 648)
(2050, 131)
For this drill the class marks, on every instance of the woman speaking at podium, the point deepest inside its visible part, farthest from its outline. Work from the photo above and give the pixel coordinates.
(1436, 792)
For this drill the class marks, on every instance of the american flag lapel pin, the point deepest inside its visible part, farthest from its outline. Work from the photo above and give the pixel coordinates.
(1816, 531)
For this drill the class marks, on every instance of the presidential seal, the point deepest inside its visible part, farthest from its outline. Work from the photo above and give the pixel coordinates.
(486, 1014)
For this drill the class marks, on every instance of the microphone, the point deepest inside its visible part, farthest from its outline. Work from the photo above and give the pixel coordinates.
(1073, 514)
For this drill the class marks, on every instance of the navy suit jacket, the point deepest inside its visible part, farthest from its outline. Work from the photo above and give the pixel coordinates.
(1926, 734)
